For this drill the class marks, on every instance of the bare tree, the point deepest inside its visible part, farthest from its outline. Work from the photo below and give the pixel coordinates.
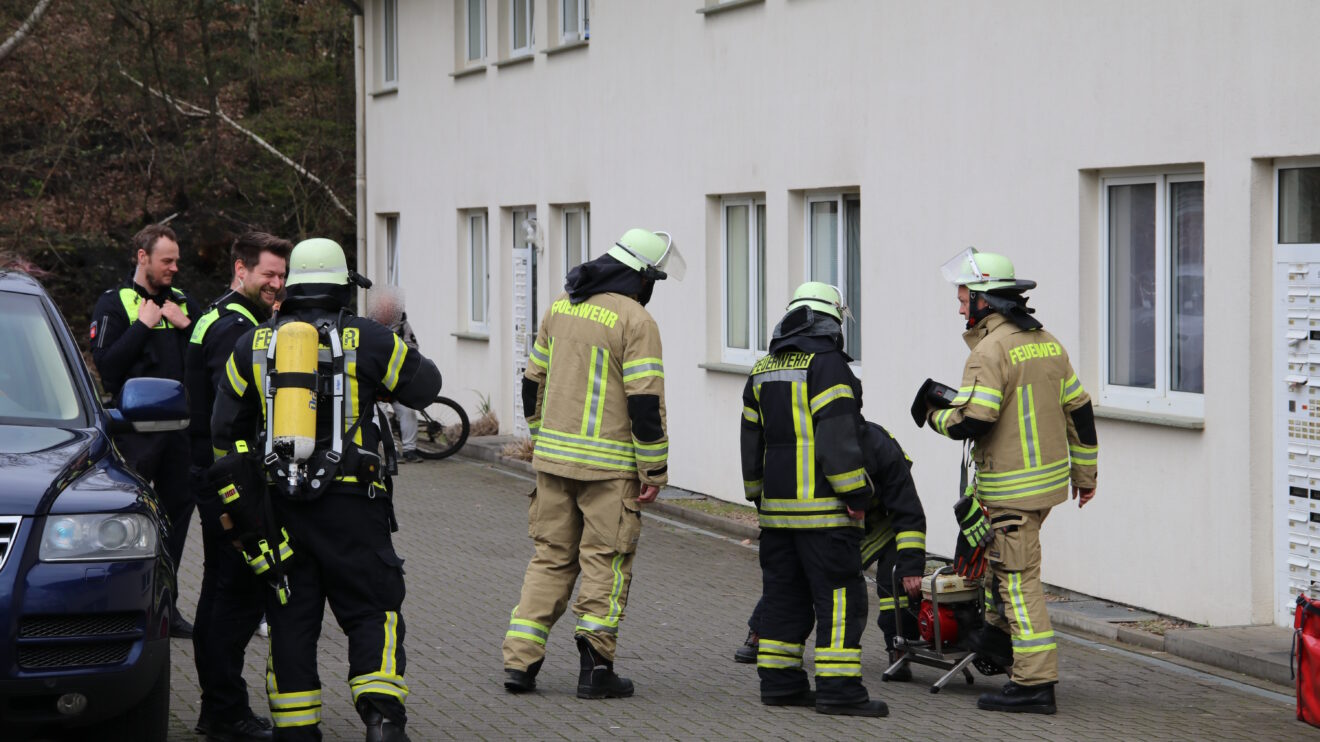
(13, 41)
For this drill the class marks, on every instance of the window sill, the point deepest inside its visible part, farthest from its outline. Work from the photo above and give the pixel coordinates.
(523, 57)
(1166, 419)
(381, 92)
(477, 336)
(726, 368)
(567, 46)
(727, 5)
(479, 69)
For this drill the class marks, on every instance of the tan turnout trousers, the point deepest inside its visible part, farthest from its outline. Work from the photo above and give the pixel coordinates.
(587, 527)
(1019, 598)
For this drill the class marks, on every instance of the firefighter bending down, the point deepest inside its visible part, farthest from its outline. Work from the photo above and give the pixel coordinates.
(325, 526)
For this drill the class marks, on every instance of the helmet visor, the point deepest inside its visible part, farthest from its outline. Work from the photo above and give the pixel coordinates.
(671, 262)
(961, 268)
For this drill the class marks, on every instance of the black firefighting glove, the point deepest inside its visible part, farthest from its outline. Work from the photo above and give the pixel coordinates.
(974, 537)
(931, 394)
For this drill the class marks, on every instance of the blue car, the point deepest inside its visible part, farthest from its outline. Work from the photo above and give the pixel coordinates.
(85, 581)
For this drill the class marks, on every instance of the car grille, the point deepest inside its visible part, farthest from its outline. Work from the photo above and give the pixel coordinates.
(8, 530)
(46, 656)
(39, 627)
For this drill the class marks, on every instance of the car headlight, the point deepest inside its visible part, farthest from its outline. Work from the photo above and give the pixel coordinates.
(99, 536)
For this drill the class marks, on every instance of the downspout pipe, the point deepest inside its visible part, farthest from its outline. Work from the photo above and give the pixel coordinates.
(360, 168)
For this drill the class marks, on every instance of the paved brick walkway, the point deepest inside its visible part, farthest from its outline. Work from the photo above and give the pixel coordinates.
(465, 540)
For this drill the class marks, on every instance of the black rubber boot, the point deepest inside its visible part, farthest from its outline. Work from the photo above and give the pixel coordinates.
(746, 654)
(801, 698)
(873, 708)
(1022, 699)
(903, 674)
(379, 728)
(522, 681)
(597, 679)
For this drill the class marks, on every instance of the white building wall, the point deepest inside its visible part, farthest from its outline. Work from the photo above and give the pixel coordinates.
(960, 124)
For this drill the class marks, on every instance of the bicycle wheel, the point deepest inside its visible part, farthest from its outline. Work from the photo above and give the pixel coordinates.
(442, 429)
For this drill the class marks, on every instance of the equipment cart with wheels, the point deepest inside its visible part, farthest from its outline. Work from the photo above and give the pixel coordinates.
(935, 649)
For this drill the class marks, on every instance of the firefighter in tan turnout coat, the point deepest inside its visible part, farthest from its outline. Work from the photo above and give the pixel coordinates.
(1032, 431)
(594, 399)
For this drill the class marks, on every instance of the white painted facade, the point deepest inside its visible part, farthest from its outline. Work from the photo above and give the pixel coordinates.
(999, 125)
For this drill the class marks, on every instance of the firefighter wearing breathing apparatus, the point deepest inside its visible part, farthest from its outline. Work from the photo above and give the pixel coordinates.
(1031, 430)
(306, 492)
(594, 399)
(803, 464)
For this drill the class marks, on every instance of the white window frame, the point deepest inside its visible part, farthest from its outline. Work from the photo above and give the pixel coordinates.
(755, 271)
(392, 255)
(529, 29)
(1161, 399)
(840, 198)
(387, 17)
(584, 212)
(467, 32)
(478, 285)
(582, 30)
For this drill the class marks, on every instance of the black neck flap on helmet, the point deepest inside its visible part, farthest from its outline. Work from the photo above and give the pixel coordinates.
(1011, 304)
(607, 275)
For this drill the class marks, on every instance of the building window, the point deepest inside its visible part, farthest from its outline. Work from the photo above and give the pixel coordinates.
(1154, 292)
(476, 30)
(387, 20)
(1299, 206)
(520, 29)
(577, 237)
(743, 237)
(574, 23)
(834, 253)
(478, 272)
(392, 250)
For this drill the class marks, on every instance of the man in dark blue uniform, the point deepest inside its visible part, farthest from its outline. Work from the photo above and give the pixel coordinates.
(232, 599)
(141, 328)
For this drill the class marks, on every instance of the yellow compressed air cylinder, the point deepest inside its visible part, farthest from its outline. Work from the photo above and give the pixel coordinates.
(294, 421)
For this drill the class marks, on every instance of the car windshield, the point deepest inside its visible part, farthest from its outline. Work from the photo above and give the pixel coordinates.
(36, 387)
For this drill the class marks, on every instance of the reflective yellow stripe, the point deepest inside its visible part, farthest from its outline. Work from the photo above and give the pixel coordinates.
(804, 434)
(838, 621)
(785, 648)
(381, 683)
(984, 396)
(295, 700)
(751, 415)
(388, 660)
(235, 379)
(848, 481)
(642, 368)
(813, 521)
(1084, 455)
(651, 453)
(753, 490)
(838, 391)
(395, 365)
(540, 355)
(1070, 389)
(911, 540)
(1027, 426)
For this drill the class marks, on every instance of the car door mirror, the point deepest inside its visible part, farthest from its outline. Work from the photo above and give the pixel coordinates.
(150, 405)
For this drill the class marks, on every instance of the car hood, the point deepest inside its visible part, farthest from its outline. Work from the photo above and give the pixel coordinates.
(40, 462)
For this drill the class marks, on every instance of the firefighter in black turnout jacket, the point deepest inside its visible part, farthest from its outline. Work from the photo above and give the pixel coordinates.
(232, 599)
(895, 538)
(803, 465)
(323, 533)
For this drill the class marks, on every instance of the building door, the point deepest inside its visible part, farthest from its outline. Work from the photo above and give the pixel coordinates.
(1297, 388)
(524, 306)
